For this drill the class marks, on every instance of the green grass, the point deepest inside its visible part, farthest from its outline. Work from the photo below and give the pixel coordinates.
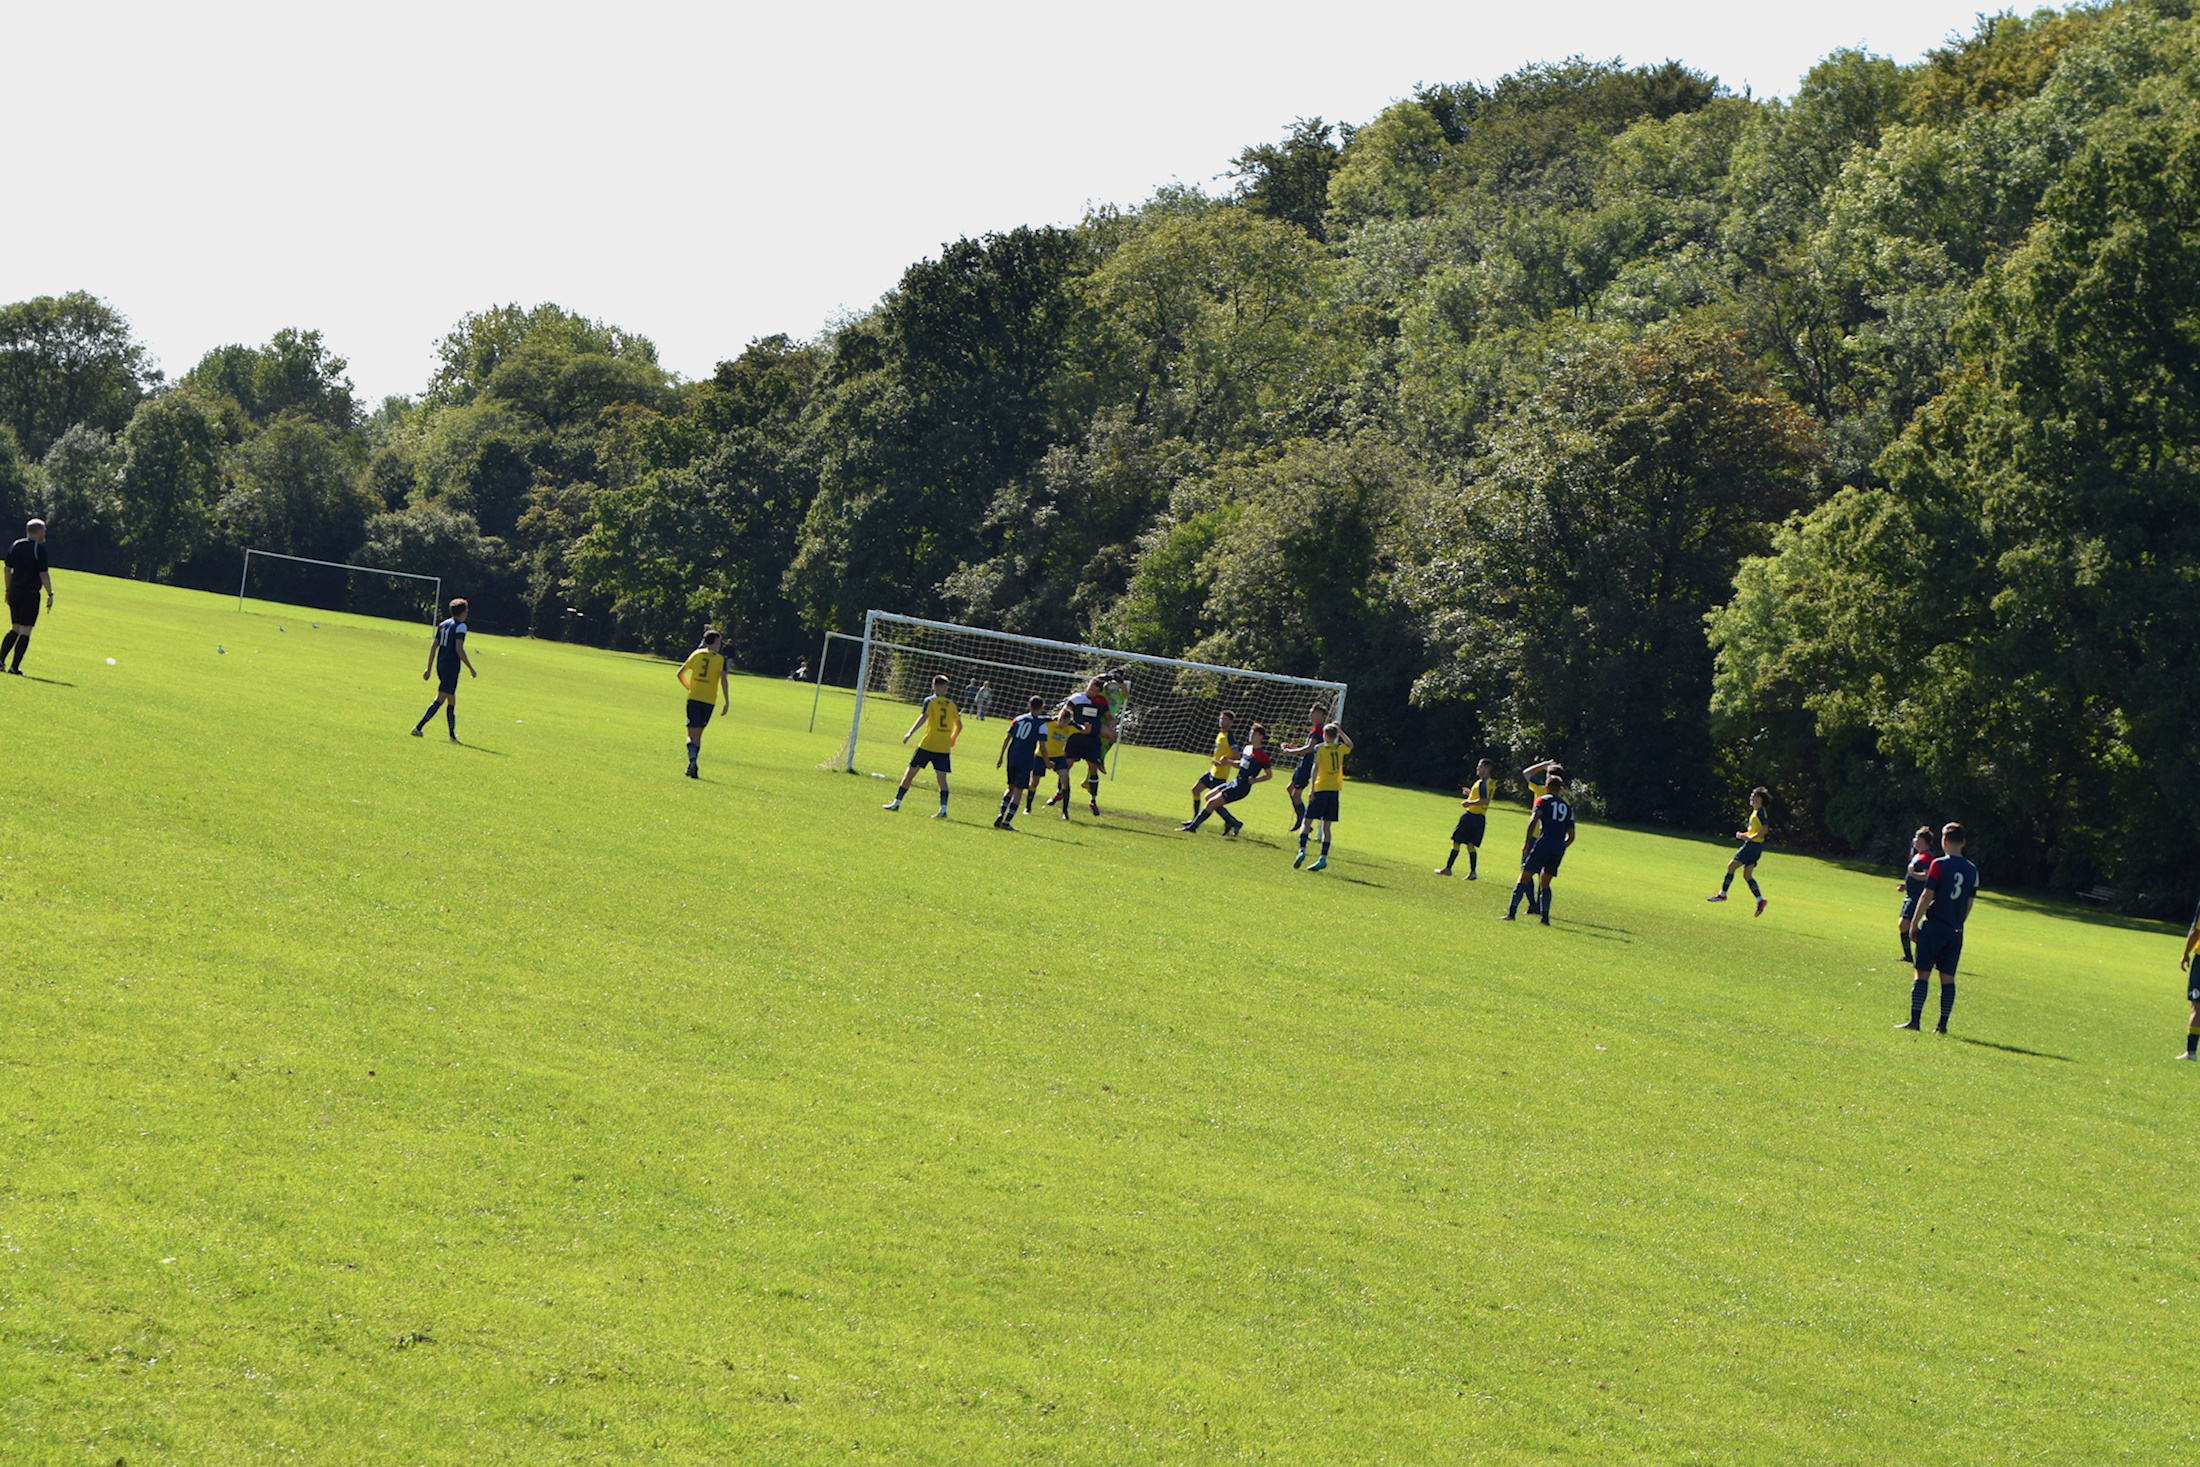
(376, 1100)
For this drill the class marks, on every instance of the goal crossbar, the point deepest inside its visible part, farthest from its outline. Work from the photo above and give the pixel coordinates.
(1166, 699)
(372, 570)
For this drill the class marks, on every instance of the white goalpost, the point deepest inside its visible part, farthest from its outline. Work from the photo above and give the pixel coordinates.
(1168, 703)
(435, 597)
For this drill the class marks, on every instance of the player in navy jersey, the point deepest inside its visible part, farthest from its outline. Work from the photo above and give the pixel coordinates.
(2192, 988)
(1090, 724)
(1020, 749)
(1252, 768)
(1913, 882)
(446, 651)
(1303, 771)
(1550, 835)
(1951, 884)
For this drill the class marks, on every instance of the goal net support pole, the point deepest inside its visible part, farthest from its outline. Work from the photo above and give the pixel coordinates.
(1169, 703)
(372, 570)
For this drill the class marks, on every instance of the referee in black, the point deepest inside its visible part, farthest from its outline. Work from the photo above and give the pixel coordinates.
(25, 573)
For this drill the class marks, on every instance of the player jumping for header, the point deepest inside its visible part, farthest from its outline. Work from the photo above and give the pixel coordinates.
(1321, 805)
(446, 650)
(1751, 851)
(1474, 820)
(1088, 712)
(942, 723)
(1951, 884)
(1550, 836)
(1317, 719)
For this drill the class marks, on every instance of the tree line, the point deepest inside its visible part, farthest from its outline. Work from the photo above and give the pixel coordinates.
(1843, 444)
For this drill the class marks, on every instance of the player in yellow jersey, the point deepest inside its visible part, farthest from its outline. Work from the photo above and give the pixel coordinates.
(2192, 988)
(1751, 851)
(704, 677)
(1474, 820)
(1224, 767)
(1321, 801)
(942, 723)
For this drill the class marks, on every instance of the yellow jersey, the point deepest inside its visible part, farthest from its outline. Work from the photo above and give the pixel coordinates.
(942, 721)
(1328, 768)
(1058, 732)
(1478, 797)
(703, 672)
(1755, 830)
(1225, 757)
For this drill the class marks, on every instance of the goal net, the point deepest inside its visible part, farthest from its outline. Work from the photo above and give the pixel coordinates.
(1161, 702)
(298, 580)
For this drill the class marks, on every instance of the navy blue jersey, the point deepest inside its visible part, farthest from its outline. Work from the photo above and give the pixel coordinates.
(1952, 881)
(1913, 879)
(1086, 713)
(1024, 735)
(450, 635)
(1250, 763)
(1554, 821)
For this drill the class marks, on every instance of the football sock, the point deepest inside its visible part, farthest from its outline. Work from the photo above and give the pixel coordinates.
(1302, 842)
(450, 718)
(22, 645)
(1201, 818)
(1449, 859)
(1907, 955)
(1520, 889)
(7, 644)
(1545, 894)
(694, 751)
(1028, 793)
(1471, 854)
(1729, 881)
(943, 799)
(2192, 1042)
(1917, 1000)
(423, 723)
(1947, 1002)
(1753, 889)
(1325, 846)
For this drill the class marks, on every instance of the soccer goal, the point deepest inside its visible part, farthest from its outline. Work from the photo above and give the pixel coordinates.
(381, 588)
(1165, 703)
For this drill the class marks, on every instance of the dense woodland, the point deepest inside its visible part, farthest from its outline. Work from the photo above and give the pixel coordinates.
(1844, 443)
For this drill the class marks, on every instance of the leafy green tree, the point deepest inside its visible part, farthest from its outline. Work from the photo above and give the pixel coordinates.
(1290, 180)
(471, 353)
(432, 540)
(294, 374)
(296, 488)
(1566, 588)
(164, 490)
(66, 360)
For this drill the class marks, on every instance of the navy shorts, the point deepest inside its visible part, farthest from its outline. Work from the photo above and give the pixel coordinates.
(1236, 790)
(1749, 852)
(1059, 763)
(1302, 773)
(1086, 747)
(2192, 986)
(1469, 830)
(699, 714)
(1208, 781)
(446, 677)
(938, 761)
(1909, 905)
(1021, 776)
(1938, 947)
(1322, 805)
(1543, 860)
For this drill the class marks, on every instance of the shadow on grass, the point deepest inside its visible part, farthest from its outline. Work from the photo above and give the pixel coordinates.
(2014, 1049)
(51, 682)
(481, 749)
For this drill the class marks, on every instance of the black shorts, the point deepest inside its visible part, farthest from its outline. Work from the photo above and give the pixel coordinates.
(1236, 790)
(1749, 852)
(446, 677)
(1086, 747)
(1322, 805)
(699, 714)
(1059, 763)
(23, 610)
(1208, 781)
(1543, 860)
(938, 761)
(1022, 776)
(1469, 830)
(1938, 947)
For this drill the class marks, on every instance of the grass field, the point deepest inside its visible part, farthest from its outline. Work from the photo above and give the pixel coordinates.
(372, 1099)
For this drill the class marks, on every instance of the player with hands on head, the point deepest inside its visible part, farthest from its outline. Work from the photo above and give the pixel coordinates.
(1550, 835)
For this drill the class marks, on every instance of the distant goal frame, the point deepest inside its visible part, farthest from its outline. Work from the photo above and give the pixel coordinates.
(435, 603)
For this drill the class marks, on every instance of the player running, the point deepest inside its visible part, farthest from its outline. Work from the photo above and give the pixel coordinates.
(446, 651)
(1020, 749)
(1224, 763)
(2192, 988)
(1550, 836)
(1751, 852)
(1252, 768)
(1951, 885)
(1913, 882)
(704, 677)
(24, 571)
(942, 723)
(1321, 806)
(1474, 820)
(1317, 719)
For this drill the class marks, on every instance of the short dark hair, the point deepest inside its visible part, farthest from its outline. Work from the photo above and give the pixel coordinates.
(1036, 702)
(712, 635)
(939, 679)
(1259, 728)
(1556, 774)
(1924, 832)
(1760, 790)
(1226, 713)
(458, 606)
(1952, 832)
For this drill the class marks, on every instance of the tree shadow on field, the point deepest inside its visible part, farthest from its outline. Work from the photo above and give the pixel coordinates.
(2014, 1049)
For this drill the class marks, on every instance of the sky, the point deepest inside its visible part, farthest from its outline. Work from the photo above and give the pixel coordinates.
(700, 173)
